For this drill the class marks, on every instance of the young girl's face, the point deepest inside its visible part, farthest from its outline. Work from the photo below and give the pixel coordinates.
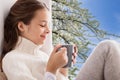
(38, 28)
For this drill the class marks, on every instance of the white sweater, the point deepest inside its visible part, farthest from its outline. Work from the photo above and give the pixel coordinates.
(28, 62)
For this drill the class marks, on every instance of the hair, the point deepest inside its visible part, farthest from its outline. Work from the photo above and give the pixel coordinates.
(22, 10)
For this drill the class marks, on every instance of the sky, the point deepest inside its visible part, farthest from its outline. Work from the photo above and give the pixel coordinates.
(107, 12)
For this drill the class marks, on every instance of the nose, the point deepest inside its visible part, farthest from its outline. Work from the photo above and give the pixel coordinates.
(47, 29)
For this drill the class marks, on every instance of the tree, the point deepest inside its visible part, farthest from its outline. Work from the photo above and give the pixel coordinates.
(73, 24)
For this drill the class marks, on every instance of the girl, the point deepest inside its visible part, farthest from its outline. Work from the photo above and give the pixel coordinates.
(25, 30)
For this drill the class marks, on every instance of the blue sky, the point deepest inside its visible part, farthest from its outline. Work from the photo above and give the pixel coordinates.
(107, 12)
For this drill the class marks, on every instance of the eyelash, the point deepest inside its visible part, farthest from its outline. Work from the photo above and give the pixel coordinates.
(42, 25)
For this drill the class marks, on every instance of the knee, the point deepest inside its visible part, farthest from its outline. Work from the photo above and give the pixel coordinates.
(109, 43)
(111, 46)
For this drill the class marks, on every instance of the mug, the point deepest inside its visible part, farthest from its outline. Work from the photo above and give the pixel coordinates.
(70, 51)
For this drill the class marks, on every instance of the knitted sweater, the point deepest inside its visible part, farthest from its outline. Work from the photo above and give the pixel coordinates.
(28, 62)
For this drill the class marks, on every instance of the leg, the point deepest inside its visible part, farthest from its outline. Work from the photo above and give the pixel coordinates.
(103, 63)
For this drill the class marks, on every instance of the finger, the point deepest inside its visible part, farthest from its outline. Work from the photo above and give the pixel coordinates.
(75, 49)
(56, 48)
(73, 61)
(62, 50)
(63, 55)
(74, 55)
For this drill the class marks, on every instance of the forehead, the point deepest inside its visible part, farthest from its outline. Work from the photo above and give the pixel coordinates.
(42, 15)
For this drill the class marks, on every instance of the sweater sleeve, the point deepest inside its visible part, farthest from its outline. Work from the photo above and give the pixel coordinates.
(49, 76)
(16, 69)
(60, 76)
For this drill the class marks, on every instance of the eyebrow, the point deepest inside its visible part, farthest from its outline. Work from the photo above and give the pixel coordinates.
(43, 21)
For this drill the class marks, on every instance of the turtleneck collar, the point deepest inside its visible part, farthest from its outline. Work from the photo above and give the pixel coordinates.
(27, 46)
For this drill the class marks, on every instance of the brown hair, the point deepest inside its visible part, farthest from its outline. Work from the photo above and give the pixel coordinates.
(22, 10)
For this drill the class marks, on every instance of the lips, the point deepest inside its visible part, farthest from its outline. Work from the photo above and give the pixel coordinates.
(43, 36)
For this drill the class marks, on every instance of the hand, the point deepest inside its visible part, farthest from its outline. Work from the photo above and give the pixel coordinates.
(57, 59)
(64, 71)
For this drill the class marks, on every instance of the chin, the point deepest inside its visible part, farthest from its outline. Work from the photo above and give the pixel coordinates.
(41, 43)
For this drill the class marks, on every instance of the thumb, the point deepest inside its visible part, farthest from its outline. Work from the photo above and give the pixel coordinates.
(56, 48)
(63, 50)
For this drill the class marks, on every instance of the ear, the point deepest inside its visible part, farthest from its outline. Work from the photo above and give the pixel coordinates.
(21, 26)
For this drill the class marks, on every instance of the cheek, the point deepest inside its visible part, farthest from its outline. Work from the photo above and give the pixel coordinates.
(36, 31)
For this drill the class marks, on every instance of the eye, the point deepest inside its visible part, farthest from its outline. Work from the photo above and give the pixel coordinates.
(42, 25)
